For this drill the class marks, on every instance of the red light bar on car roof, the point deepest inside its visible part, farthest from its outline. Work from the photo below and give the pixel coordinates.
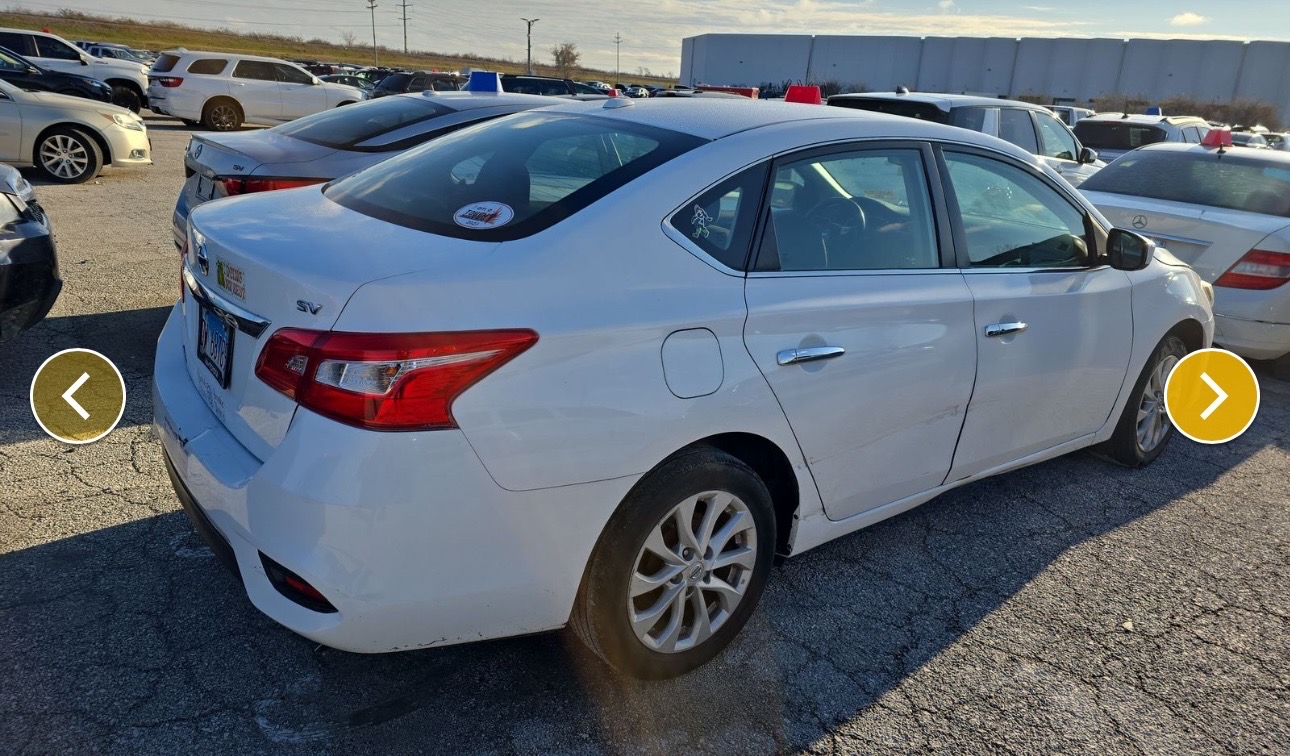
(1217, 138)
(809, 95)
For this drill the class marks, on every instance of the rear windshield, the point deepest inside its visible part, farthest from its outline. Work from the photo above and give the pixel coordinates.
(1200, 178)
(1110, 135)
(924, 111)
(165, 63)
(508, 178)
(341, 128)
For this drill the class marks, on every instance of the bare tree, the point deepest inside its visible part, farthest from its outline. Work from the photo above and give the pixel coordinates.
(348, 38)
(566, 58)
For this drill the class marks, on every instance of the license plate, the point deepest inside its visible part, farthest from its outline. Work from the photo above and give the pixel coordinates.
(215, 344)
(205, 188)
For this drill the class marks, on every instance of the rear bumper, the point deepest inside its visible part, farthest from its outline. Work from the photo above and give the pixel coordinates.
(405, 534)
(1254, 339)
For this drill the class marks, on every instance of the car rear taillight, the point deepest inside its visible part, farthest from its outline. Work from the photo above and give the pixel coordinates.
(385, 381)
(234, 185)
(1259, 269)
(169, 81)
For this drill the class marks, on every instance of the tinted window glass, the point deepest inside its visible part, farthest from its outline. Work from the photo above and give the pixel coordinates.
(865, 210)
(1055, 140)
(255, 69)
(292, 75)
(1191, 134)
(393, 82)
(721, 220)
(343, 127)
(908, 108)
(969, 118)
(165, 63)
(1015, 126)
(1012, 219)
(444, 85)
(48, 47)
(508, 178)
(1110, 135)
(19, 43)
(417, 84)
(1232, 181)
(210, 66)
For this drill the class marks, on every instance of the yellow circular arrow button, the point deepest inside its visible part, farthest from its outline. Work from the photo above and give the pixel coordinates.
(1212, 396)
(77, 396)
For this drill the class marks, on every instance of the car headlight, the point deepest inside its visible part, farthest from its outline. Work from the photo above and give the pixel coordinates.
(130, 121)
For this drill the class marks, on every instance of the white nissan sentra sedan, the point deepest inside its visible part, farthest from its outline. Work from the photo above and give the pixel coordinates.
(451, 397)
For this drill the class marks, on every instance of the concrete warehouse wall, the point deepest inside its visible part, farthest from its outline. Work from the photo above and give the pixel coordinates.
(1074, 69)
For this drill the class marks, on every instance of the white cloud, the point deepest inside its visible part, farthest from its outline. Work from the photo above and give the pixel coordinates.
(1188, 19)
(945, 5)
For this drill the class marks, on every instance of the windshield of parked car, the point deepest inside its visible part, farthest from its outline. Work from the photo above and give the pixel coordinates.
(1229, 180)
(10, 62)
(508, 178)
(341, 128)
(1114, 135)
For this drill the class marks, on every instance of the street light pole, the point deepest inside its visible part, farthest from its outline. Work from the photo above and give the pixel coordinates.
(618, 44)
(530, 22)
(376, 56)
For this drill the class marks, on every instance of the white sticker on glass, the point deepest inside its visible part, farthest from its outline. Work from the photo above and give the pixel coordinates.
(484, 215)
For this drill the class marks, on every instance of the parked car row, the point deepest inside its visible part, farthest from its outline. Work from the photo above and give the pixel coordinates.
(443, 322)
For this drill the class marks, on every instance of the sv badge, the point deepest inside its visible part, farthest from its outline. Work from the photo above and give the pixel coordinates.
(309, 307)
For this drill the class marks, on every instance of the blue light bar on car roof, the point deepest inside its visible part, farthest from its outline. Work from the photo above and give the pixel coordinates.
(484, 81)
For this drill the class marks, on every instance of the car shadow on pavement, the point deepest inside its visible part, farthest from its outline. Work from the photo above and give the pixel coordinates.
(133, 638)
(128, 338)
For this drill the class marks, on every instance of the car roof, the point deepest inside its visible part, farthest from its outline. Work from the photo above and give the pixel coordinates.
(1276, 157)
(942, 101)
(1142, 119)
(720, 117)
(227, 56)
(472, 100)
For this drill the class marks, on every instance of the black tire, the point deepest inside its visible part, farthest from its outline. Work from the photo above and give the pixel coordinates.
(600, 614)
(1124, 446)
(125, 97)
(68, 156)
(190, 124)
(222, 114)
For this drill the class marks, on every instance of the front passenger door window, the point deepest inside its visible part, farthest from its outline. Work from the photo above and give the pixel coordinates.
(1013, 219)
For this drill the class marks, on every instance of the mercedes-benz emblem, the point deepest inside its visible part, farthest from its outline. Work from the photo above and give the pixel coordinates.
(1139, 221)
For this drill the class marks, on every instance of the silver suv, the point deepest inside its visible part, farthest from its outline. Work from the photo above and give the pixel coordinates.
(1113, 134)
(1033, 128)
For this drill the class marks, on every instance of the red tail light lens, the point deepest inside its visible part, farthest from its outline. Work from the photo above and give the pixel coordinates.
(391, 382)
(169, 81)
(234, 185)
(1259, 269)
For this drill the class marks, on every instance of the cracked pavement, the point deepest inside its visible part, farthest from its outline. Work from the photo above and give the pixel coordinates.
(1070, 607)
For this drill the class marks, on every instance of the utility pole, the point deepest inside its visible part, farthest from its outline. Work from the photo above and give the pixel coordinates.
(618, 45)
(530, 22)
(405, 5)
(376, 56)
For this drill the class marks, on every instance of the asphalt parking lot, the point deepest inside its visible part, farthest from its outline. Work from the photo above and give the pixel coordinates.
(1069, 607)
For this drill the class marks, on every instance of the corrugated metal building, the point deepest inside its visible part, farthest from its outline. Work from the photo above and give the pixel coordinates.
(1067, 69)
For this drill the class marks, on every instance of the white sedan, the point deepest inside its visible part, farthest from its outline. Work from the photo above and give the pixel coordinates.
(447, 398)
(1227, 213)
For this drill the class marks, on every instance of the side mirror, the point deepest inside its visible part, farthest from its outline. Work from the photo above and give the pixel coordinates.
(1087, 155)
(1126, 250)
(85, 61)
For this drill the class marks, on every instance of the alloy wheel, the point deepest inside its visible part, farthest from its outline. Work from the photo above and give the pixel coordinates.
(692, 572)
(224, 117)
(1153, 420)
(64, 157)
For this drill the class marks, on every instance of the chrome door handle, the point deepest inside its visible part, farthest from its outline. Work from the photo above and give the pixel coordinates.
(808, 354)
(1000, 329)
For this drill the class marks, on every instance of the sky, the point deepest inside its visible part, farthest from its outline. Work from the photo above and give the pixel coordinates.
(652, 30)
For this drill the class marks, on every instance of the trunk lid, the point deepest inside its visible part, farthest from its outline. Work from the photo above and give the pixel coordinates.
(1209, 239)
(284, 259)
(245, 153)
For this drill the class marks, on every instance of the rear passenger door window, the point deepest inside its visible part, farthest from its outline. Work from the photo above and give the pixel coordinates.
(417, 84)
(865, 209)
(207, 66)
(1013, 219)
(48, 47)
(1015, 126)
(720, 221)
(19, 43)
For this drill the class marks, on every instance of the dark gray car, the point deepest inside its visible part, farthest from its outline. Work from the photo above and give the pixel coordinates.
(330, 144)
